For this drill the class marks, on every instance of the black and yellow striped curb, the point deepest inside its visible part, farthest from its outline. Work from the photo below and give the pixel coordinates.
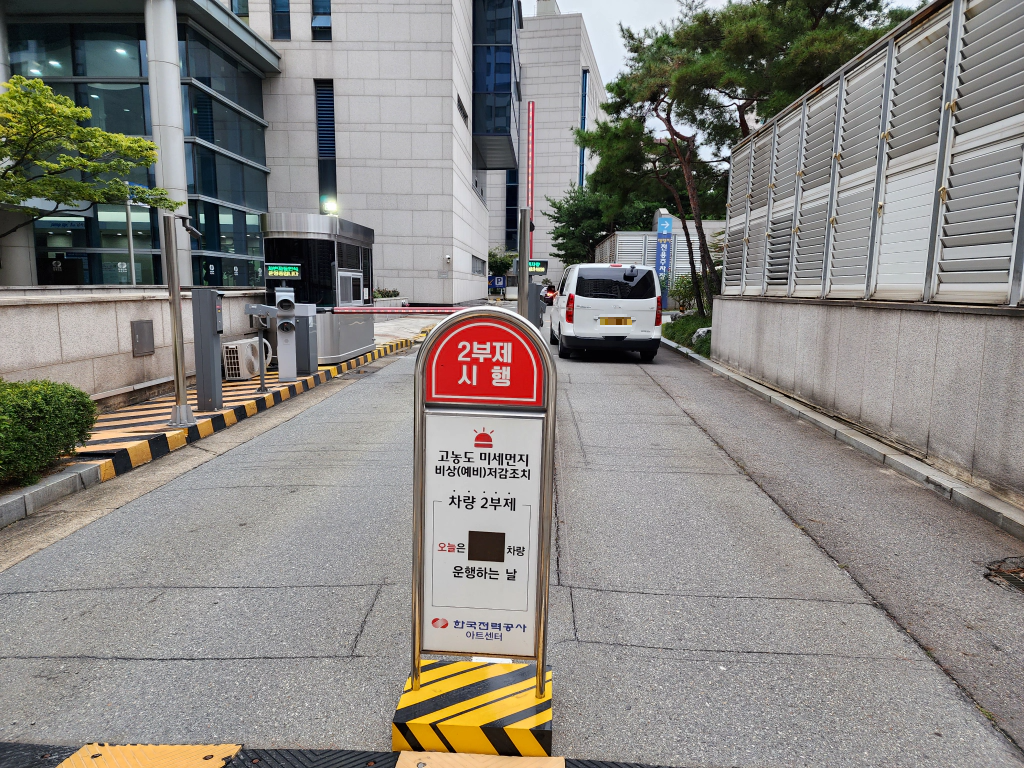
(130, 437)
(98, 755)
(475, 707)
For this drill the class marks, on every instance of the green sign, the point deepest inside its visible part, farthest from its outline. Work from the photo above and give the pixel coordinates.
(282, 271)
(539, 267)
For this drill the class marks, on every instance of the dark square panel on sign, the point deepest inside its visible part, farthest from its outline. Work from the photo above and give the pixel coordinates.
(487, 546)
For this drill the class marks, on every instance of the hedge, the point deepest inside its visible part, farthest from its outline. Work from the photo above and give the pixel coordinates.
(40, 421)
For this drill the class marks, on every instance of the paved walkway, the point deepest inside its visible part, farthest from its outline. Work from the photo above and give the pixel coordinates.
(263, 597)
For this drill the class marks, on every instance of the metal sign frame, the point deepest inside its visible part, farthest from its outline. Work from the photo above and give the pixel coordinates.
(546, 412)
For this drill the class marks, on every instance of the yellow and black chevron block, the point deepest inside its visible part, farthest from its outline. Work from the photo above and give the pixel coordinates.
(135, 435)
(474, 707)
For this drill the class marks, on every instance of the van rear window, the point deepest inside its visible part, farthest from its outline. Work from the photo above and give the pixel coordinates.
(605, 283)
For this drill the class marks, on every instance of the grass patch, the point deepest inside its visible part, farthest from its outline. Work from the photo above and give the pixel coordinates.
(681, 331)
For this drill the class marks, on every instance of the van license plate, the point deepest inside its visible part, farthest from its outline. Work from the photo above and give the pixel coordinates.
(616, 321)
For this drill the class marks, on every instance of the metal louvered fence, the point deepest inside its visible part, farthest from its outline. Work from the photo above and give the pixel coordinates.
(897, 178)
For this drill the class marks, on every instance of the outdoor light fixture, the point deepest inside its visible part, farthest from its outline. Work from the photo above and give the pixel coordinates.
(331, 206)
(35, 72)
(122, 51)
(54, 64)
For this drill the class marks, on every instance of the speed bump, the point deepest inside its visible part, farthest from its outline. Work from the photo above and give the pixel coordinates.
(152, 756)
(474, 707)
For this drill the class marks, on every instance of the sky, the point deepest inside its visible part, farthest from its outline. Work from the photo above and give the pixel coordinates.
(602, 18)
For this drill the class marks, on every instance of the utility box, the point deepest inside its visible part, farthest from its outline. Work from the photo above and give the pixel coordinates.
(306, 362)
(207, 326)
(534, 306)
(284, 299)
(142, 338)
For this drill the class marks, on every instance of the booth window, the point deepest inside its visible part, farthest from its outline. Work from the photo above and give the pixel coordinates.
(327, 164)
(321, 19)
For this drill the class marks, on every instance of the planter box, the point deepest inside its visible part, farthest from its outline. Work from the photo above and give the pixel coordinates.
(398, 301)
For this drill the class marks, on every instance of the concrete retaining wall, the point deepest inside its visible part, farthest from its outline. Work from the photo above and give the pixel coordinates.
(946, 382)
(83, 337)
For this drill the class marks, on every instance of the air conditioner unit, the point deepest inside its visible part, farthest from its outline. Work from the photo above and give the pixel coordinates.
(241, 359)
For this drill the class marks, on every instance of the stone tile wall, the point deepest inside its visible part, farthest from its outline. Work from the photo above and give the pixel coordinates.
(85, 339)
(946, 384)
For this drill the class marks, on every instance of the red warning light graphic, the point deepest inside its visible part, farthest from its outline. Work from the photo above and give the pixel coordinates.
(483, 439)
(439, 623)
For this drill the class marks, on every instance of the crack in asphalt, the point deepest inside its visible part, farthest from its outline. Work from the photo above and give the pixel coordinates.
(366, 618)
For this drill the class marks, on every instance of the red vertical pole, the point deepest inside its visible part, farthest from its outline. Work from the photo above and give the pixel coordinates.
(529, 172)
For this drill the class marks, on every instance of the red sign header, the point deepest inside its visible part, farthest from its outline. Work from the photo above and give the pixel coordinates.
(485, 361)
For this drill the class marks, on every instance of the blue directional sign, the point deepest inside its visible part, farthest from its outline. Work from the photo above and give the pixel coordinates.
(663, 260)
(496, 281)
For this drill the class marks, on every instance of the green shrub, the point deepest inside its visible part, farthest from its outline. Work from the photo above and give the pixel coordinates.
(681, 331)
(40, 421)
(386, 293)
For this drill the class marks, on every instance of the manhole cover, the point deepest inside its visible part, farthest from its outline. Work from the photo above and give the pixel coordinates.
(1008, 572)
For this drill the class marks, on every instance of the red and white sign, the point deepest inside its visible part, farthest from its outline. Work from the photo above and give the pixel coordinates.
(485, 361)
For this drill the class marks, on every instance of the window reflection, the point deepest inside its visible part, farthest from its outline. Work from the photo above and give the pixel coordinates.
(218, 124)
(116, 107)
(108, 50)
(215, 69)
(40, 50)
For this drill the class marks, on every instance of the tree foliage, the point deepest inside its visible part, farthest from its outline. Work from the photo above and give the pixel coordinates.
(50, 163)
(748, 60)
(499, 261)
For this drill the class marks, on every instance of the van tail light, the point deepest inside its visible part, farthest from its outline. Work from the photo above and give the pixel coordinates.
(657, 313)
(570, 308)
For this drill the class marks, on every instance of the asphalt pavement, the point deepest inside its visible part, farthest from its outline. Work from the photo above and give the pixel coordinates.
(262, 597)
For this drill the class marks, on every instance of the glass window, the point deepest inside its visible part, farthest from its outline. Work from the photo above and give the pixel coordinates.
(492, 22)
(253, 235)
(212, 121)
(207, 270)
(348, 256)
(108, 50)
(479, 266)
(56, 232)
(40, 50)
(492, 69)
(612, 283)
(281, 19)
(255, 188)
(148, 270)
(321, 19)
(215, 69)
(116, 107)
(145, 233)
(492, 113)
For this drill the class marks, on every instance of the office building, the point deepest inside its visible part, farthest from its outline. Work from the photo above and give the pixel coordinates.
(560, 75)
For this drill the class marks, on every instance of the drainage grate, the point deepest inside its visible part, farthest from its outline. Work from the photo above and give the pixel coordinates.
(1008, 572)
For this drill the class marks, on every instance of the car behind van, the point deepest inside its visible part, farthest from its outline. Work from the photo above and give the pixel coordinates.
(607, 306)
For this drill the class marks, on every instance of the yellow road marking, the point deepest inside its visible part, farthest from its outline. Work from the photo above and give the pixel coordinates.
(152, 756)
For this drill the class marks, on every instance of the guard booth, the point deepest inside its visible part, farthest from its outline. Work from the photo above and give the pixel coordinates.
(335, 262)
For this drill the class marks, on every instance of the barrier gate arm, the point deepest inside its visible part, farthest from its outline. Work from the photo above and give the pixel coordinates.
(396, 310)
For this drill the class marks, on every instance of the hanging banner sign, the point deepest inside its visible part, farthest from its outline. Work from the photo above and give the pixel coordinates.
(484, 457)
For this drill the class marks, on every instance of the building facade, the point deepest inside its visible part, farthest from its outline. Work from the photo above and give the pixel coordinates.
(189, 75)
(561, 77)
(387, 116)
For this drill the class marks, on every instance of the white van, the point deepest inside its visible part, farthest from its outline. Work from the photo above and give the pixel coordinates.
(607, 306)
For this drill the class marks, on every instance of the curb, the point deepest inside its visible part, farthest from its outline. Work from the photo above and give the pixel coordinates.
(995, 510)
(97, 465)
